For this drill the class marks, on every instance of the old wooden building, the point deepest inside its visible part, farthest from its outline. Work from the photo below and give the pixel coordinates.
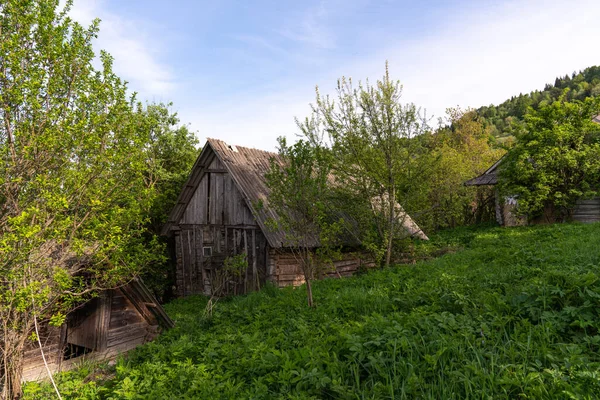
(220, 213)
(112, 323)
(586, 210)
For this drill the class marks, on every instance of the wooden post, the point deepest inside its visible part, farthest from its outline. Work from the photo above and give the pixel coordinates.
(202, 269)
(194, 252)
(182, 265)
(246, 255)
(254, 269)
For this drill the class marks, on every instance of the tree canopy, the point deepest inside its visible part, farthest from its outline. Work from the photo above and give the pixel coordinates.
(78, 175)
(556, 158)
(502, 118)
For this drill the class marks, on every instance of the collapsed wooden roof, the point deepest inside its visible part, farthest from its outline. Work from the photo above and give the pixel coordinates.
(146, 304)
(247, 167)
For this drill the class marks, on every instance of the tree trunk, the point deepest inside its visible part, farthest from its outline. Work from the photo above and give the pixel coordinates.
(388, 255)
(13, 365)
(309, 293)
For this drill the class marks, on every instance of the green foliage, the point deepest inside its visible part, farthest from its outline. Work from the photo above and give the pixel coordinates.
(514, 314)
(502, 118)
(371, 136)
(556, 159)
(456, 153)
(299, 192)
(171, 151)
(81, 163)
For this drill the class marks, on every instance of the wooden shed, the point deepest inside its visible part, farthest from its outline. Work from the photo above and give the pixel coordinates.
(216, 216)
(586, 210)
(116, 321)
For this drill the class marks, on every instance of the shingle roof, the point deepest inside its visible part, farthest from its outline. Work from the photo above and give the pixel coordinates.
(489, 177)
(248, 167)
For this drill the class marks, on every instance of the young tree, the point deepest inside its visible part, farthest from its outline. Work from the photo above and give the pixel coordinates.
(371, 135)
(457, 152)
(556, 159)
(74, 189)
(299, 186)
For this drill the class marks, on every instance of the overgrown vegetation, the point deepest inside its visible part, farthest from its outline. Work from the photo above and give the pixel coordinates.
(513, 314)
(83, 169)
(555, 159)
(299, 192)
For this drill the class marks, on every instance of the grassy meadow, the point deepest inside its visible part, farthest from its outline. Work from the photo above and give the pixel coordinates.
(506, 313)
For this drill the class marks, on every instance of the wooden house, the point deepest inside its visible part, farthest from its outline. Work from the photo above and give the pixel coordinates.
(217, 215)
(116, 321)
(586, 210)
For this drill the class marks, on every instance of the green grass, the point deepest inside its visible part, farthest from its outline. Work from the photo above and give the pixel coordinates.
(511, 313)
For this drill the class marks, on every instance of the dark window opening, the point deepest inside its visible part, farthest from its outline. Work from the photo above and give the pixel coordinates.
(73, 351)
(207, 251)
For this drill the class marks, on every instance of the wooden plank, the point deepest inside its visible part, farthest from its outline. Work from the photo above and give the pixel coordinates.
(126, 335)
(103, 320)
(183, 291)
(254, 268)
(202, 262)
(33, 357)
(124, 318)
(83, 324)
(246, 255)
(193, 255)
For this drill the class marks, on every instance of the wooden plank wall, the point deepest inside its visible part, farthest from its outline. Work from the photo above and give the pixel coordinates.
(587, 210)
(217, 218)
(217, 201)
(196, 271)
(109, 325)
(285, 269)
(33, 363)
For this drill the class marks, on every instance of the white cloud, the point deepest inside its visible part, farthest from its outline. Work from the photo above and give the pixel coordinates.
(480, 57)
(135, 51)
(312, 28)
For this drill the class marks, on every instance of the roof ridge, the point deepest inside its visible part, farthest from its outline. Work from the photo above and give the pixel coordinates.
(240, 147)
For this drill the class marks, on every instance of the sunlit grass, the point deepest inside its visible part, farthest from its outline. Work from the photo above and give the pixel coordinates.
(513, 313)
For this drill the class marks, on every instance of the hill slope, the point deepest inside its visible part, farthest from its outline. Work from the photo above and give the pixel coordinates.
(580, 85)
(514, 313)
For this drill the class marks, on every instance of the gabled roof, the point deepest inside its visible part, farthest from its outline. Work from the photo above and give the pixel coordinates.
(489, 177)
(144, 301)
(247, 167)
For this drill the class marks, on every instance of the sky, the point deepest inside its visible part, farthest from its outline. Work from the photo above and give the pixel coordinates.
(242, 71)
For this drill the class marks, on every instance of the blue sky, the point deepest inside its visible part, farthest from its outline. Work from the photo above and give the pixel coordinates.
(242, 70)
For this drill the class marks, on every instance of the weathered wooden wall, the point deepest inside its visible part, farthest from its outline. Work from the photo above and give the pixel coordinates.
(103, 328)
(217, 223)
(285, 270)
(587, 210)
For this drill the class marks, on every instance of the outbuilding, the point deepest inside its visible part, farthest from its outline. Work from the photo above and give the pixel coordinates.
(221, 213)
(112, 323)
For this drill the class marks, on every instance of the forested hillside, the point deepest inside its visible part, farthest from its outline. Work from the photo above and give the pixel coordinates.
(579, 85)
